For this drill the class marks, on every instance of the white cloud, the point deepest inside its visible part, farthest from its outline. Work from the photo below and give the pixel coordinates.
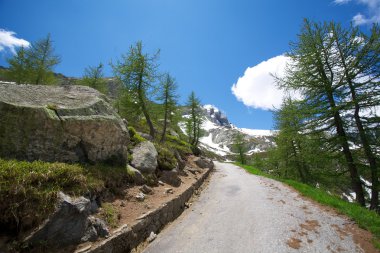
(257, 87)
(341, 1)
(373, 11)
(8, 40)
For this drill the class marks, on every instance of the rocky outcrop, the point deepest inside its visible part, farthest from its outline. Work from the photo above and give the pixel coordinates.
(144, 157)
(60, 123)
(71, 223)
(204, 163)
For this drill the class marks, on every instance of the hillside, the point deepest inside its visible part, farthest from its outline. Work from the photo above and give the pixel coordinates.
(219, 133)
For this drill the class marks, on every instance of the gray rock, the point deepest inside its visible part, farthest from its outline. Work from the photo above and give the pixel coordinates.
(173, 133)
(140, 196)
(171, 178)
(145, 157)
(60, 123)
(69, 224)
(204, 163)
(169, 191)
(181, 162)
(138, 177)
(146, 189)
(152, 237)
(146, 136)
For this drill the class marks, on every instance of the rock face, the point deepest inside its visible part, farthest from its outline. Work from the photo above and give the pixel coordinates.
(145, 157)
(71, 223)
(60, 123)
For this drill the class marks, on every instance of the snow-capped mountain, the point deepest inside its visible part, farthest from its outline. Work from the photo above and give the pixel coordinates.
(219, 134)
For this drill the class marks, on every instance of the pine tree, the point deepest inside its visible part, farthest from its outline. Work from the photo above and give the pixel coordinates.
(358, 57)
(313, 72)
(194, 122)
(239, 145)
(138, 72)
(34, 65)
(168, 96)
(93, 77)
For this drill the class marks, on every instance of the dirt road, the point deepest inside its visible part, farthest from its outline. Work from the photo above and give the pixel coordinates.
(240, 212)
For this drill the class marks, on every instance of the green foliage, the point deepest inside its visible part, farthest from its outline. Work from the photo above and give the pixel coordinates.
(34, 64)
(166, 159)
(168, 96)
(240, 147)
(109, 214)
(181, 146)
(134, 136)
(137, 71)
(366, 219)
(28, 190)
(93, 77)
(194, 122)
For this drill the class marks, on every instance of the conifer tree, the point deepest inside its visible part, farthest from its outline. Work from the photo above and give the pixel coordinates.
(138, 71)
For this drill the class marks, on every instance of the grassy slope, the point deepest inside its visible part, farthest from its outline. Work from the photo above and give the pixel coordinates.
(365, 218)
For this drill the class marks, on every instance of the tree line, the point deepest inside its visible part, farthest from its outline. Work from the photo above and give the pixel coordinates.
(333, 130)
(145, 96)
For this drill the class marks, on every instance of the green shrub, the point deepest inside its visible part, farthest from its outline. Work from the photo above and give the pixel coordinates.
(135, 137)
(166, 160)
(109, 214)
(181, 146)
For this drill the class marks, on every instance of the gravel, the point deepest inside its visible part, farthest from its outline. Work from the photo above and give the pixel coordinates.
(240, 212)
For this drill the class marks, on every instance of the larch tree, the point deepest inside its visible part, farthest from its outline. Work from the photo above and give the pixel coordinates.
(358, 58)
(313, 71)
(194, 122)
(138, 72)
(34, 65)
(93, 77)
(168, 96)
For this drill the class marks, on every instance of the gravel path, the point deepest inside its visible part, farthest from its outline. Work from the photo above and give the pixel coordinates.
(239, 212)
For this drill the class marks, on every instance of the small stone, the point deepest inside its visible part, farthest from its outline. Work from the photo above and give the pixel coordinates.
(147, 206)
(188, 204)
(160, 183)
(152, 237)
(146, 189)
(122, 204)
(169, 190)
(140, 196)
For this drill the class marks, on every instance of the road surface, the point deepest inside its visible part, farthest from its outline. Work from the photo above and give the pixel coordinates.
(240, 212)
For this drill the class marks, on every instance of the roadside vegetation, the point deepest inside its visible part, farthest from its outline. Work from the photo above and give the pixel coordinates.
(365, 218)
(146, 99)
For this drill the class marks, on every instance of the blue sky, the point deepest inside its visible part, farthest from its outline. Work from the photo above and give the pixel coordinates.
(207, 45)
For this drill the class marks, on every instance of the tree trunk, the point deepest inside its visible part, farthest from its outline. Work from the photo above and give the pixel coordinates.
(355, 179)
(165, 121)
(144, 109)
(363, 136)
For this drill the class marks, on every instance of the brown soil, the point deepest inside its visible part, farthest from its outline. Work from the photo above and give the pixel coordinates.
(361, 237)
(294, 243)
(310, 225)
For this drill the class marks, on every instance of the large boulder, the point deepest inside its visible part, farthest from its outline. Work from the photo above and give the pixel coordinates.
(60, 123)
(71, 223)
(144, 157)
(204, 163)
(170, 177)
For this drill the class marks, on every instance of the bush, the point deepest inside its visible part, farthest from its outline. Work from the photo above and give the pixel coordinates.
(166, 160)
(134, 136)
(181, 146)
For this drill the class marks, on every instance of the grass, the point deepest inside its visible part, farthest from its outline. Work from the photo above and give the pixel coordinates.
(365, 218)
(28, 190)
(109, 214)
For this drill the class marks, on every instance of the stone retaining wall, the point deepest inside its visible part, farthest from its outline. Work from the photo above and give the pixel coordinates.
(127, 238)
